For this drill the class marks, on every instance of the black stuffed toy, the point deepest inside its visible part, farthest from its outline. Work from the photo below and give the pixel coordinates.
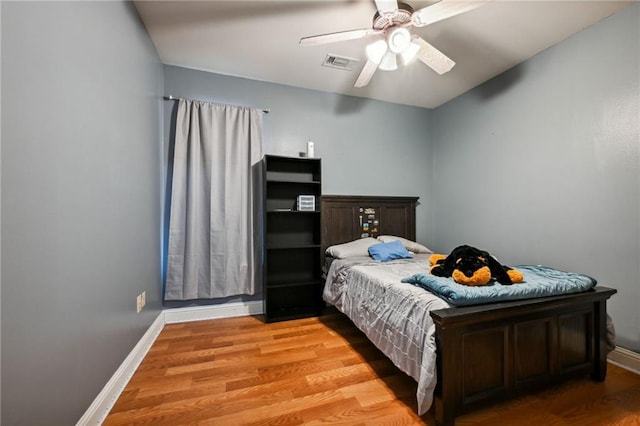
(470, 266)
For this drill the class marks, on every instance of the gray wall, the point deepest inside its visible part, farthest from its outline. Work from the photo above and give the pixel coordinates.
(367, 147)
(81, 107)
(541, 165)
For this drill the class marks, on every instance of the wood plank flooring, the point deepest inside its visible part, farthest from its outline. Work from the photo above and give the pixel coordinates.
(241, 371)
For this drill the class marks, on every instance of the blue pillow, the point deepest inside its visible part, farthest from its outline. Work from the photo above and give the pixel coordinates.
(389, 251)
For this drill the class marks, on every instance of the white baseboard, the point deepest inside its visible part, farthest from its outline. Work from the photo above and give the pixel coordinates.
(626, 359)
(102, 405)
(199, 313)
(105, 400)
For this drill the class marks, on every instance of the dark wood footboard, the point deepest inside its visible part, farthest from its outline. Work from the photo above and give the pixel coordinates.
(490, 352)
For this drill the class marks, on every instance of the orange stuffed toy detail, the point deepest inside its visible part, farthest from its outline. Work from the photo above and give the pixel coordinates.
(515, 275)
(481, 276)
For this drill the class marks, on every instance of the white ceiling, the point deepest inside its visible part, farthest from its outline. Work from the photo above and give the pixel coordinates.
(259, 40)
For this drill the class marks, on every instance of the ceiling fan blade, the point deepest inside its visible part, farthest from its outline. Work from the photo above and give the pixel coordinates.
(386, 6)
(443, 10)
(339, 36)
(434, 58)
(367, 72)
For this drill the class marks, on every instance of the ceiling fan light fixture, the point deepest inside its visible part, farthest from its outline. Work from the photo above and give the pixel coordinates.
(376, 51)
(398, 39)
(389, 62)
(390, 25)
(410, 53)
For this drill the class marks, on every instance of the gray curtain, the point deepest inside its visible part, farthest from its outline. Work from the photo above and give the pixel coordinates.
(214, 248)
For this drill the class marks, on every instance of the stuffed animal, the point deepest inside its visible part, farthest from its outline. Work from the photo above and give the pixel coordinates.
(470, 266)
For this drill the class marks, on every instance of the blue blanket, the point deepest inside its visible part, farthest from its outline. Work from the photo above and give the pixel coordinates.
(539, 281)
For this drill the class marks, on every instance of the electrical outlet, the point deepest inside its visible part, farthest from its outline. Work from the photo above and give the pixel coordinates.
(143, 295)
(139, 303)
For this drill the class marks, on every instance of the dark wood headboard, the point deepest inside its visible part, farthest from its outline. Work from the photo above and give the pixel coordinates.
(347, 218)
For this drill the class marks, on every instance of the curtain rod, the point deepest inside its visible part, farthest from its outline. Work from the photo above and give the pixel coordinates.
(171, 98)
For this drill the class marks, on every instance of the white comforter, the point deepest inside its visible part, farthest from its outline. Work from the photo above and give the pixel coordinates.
(393, 315)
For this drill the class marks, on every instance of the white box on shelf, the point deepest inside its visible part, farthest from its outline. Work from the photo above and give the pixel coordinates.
(306, 203)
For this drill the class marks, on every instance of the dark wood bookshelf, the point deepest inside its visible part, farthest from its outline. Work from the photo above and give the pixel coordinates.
(292, 239)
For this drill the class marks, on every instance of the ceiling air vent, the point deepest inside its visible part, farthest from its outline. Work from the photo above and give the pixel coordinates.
(340, 62)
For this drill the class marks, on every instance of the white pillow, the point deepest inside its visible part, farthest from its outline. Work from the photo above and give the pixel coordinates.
(412, 246)
(351, 249)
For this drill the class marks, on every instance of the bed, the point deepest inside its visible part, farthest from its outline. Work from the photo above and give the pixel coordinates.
(461, 357)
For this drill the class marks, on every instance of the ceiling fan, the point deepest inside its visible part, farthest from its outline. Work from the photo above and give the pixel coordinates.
(391, 24)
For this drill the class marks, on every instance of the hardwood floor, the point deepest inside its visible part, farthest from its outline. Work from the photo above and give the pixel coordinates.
(241, 371)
